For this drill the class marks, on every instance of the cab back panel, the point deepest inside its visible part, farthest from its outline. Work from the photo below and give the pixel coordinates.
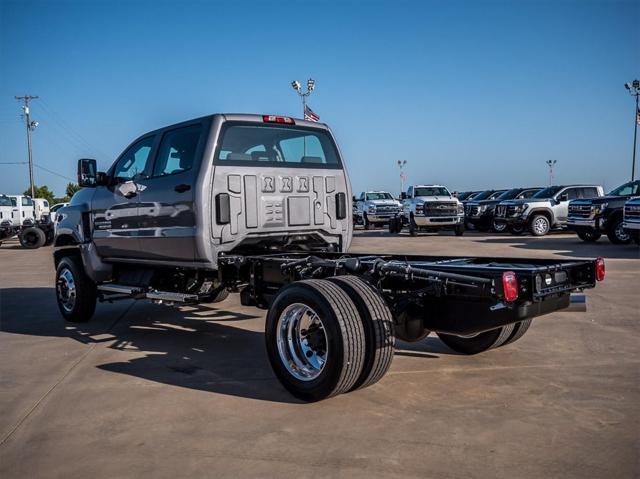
(273, 200)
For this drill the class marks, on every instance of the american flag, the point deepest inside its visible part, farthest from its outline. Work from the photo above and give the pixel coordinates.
(310, 115)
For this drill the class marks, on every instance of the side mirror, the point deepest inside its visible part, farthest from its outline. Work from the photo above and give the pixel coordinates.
(354, 199)
(563, 197)
(87, 173)
(403, 196)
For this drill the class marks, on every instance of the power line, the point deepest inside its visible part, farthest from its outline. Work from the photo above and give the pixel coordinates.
(37, 166)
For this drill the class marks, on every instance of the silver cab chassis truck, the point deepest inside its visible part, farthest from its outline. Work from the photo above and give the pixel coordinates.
(260, 205)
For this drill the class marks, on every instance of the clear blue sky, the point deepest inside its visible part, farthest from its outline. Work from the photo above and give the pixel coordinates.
(472, 94)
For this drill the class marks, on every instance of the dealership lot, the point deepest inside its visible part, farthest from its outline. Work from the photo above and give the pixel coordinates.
(188, 391)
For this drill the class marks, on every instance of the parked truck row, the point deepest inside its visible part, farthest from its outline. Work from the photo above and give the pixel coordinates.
(581, 208)
(32, 220)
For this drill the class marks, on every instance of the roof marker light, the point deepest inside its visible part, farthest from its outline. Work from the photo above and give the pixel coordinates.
(278, 119)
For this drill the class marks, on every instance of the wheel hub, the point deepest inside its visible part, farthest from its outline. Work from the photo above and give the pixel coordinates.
(621, 234)
(540, 226)
(302, 341)
(66, 290)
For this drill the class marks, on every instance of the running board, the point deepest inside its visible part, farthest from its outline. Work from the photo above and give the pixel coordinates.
(139, 293)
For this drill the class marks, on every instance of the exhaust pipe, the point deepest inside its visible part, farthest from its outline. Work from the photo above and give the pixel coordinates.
(577, 303)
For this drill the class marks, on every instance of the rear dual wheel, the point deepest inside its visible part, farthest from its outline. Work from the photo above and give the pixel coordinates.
(32, 238)
(327, 337)
(488, 340)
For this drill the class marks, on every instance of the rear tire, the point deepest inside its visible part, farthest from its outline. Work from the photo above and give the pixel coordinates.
(516, 230)
(589, 236)
(220, 296)
(365, 222)
(480, 342)
(617, 234)
(378, 326)
(315, 339)
(539, 225)
(518, 331)
(32, 238)
(413, 228)
(75, 292)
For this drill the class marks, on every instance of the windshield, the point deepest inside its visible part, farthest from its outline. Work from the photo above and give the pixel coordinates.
(547, 192)
(509, 194)
(431, 191)
(379, 196)
(247, 144)
(465, 194)
(628, 189)
(484, 195)
(5, 201)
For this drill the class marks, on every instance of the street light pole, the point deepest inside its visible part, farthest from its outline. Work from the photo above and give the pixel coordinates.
(634, 90)
(401, 164)
(31, 125)
(311, 84)
(551, 164)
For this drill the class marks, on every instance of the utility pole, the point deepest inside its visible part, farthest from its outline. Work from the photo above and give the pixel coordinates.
(31, 125)
(551, 164)
(634, 90)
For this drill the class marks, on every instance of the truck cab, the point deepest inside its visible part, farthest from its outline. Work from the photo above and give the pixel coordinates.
(23, 210)
(376, 208)
(431, 208)
(592, 217)
(185, 194)
(547, 209)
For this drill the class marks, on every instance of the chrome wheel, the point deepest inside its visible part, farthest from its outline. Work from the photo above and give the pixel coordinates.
(302, 342)
(541, 226)
(499, 227)
(66, 290)
(620, 233)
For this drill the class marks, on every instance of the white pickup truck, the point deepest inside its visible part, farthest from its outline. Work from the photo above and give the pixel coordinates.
(375, 208)
(429, 208)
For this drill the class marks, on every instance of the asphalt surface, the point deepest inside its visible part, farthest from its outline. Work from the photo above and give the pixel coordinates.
(148, 390)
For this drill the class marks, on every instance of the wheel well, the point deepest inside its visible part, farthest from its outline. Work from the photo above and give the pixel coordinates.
(62, 253)
(65, 240)
(544, 213)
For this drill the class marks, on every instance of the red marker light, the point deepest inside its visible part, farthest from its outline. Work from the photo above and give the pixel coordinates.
(278, 119)
(600, 270)
(510, 286)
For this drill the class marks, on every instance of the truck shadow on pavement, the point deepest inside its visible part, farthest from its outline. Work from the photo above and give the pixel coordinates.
(199, 347)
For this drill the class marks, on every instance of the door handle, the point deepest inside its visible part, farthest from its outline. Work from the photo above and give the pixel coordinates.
(130, 194)
(181, 188)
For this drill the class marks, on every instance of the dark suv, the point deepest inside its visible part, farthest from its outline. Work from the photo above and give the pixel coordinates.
(480, 213)
(591, 217)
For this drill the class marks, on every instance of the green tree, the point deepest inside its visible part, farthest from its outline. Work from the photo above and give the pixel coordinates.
(72, 188)
(41, 192)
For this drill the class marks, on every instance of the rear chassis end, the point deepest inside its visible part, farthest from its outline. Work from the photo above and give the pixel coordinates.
(459, 296)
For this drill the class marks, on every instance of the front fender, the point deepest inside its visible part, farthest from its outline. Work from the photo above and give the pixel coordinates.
(72, 221)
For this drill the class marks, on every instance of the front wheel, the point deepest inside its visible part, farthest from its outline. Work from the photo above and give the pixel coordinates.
(617, 234)
(459, 230)
(413, 227)
(32, 238)
(589, 236)
(365, 222)
(540, 225)
(499, 227)
(75, 292)
(315, 339)
(516, 230)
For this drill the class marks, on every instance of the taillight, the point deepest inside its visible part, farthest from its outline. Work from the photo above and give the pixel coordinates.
(278, 119)
(510, 286)
(600, 269)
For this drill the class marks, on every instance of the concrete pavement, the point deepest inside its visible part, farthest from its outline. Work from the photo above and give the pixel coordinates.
(147, 390)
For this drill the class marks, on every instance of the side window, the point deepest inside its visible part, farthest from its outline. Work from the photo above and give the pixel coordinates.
(177, 150)
(135, 161)
(26, 201)
(572, 193)
(363, 196)
(589, 192)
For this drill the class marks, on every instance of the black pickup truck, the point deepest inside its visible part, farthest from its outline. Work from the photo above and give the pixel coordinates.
(591, 217)
(479, 214)
(235, 203)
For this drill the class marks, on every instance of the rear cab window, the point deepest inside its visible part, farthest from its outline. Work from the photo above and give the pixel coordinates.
(256, 144)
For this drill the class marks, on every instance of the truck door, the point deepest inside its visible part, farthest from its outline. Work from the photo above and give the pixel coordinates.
(167, 228)
(115, 207)
(561, 211)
